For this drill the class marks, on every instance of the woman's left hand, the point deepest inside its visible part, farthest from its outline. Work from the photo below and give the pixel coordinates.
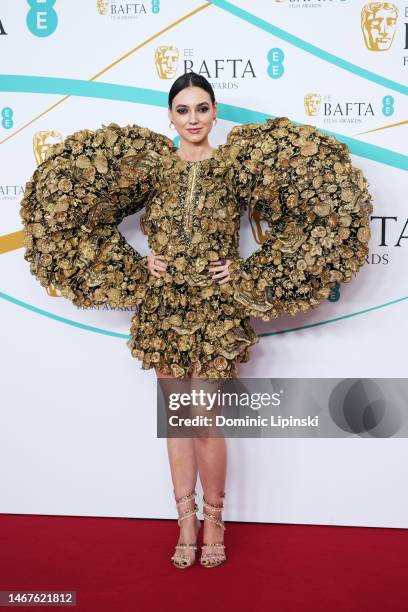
(219, 270)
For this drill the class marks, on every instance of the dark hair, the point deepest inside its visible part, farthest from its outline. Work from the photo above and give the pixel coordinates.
(190, 79)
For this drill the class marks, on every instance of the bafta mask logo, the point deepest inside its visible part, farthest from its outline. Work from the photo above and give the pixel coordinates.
(378, 23)
(42, 143)
(311, 102)
(102, 6)
(166, 60)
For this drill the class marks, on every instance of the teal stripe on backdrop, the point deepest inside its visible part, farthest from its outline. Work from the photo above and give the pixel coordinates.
(107, 332)
(151, 97)
(51, 315)
(305, 46)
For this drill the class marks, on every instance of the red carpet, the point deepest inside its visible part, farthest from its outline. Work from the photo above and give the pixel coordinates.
(121, 565)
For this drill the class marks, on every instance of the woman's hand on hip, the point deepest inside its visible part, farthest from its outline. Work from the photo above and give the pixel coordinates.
(156, 264)
(219, 270)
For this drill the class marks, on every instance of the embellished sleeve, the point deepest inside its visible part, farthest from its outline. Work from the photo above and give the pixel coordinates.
(302, 182)
(73, 204)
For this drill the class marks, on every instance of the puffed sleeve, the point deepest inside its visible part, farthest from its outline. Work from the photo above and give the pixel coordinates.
(302, 182)
(73, 204)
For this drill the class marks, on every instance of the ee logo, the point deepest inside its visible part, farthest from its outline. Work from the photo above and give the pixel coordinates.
(334, 293)
(388, 106)
(155, 6)
(275, 63)
(42, 20)
(7, 117)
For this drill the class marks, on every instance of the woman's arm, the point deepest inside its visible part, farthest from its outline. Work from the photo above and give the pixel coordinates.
(71, 208)
(318, 208)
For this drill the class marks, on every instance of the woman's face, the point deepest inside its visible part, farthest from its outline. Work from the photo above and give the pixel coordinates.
(192, 109)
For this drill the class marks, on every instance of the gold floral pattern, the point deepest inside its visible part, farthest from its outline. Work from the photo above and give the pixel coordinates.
(318, 206)
(297, 178)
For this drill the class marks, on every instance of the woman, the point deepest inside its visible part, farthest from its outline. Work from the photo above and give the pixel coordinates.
(193, 110)
(195, 293)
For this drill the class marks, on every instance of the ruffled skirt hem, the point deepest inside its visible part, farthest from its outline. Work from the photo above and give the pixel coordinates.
(183, 355)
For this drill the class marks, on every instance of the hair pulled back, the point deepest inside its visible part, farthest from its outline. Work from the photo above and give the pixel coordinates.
(190, 79)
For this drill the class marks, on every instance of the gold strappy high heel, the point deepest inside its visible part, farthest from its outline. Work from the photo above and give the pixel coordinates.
(213, 554)
(180, 559)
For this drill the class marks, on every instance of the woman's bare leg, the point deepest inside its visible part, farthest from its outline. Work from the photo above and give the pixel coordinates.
(183, 468)
(211, 454)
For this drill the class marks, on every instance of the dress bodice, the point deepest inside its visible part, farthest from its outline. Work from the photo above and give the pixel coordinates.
(193, 216)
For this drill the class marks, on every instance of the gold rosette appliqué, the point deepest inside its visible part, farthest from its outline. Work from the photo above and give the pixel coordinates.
(73, 204)
(317, 205)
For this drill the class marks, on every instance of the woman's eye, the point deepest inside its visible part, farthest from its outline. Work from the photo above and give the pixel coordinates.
(181, 111)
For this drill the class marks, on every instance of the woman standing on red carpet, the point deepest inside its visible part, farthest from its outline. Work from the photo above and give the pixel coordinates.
(194, 291)
(192, 111)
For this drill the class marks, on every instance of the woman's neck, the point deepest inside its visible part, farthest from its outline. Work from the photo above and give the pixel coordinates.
(195, 152)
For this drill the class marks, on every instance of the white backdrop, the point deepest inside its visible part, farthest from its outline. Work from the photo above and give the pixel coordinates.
(78, 415)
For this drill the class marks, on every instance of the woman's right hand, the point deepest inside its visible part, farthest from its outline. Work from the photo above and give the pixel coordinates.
(156, 264)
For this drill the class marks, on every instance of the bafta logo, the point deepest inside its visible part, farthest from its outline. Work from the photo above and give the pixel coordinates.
(378, 23)
(102, 6)
(166, 60)
(41, 144)
(312, 103)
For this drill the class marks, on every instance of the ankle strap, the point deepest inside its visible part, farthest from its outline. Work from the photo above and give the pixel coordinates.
(185, 498)
(214, 506)
(214, 519)
(187, 513)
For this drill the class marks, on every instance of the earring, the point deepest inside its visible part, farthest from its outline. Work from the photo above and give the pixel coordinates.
(170, 125)
(215, 121)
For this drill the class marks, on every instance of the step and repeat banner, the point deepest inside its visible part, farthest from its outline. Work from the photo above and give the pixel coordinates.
(78, 414)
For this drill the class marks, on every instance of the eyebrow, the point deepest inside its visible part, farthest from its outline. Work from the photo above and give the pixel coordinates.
(178, 105)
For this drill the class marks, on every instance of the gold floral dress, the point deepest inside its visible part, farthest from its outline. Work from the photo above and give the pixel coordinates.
(297, 178)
